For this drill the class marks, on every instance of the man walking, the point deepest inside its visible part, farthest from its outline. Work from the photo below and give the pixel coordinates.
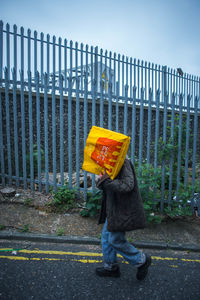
(121, 210)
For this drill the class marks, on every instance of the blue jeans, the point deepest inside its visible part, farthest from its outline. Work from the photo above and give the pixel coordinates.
(115, 242)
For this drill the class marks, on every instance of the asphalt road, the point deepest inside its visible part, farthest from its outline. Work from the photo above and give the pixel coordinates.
(58, 271)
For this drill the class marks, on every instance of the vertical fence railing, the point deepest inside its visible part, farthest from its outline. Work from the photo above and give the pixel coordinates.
(90, 87)
(30, 115)
(16, 148)
(38, 121)
(172, 153)
(2, 142)
(8, 137)
(46, 132)
(61, 79)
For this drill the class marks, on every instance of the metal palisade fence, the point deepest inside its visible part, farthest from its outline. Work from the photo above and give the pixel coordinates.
(53, 91)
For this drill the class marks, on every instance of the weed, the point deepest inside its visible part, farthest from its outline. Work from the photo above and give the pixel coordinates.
(177, 209)
(92, 205)
(63, 199)
(27, 201)
(130, 240)
(2, 227)
(149, 180)
(25, 229)
(151, 212)
(35, 160)
(60, 231)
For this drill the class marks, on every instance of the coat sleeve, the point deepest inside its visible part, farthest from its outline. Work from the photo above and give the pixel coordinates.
(123, 183)
(101, 180)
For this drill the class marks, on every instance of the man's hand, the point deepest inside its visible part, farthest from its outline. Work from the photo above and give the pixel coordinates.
(99, 177)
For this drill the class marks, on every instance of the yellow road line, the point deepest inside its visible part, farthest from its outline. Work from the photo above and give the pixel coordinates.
(163, 258)
(79, 253)
(27, 258)
(85, 261)
(191, 260)
(82, 253)
(14, 257)
(93, 261)
(22, 258)
(60, 253)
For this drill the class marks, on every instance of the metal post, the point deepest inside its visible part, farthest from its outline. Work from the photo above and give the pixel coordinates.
(1, 50)
(38, 131)
(61, 130)
(30, 114)
(133, 126)
(16, 146)
(141, 127)
(8, 126)
(149, 126)
(46, 116)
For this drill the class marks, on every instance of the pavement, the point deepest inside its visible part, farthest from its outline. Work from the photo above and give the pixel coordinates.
(26, 218)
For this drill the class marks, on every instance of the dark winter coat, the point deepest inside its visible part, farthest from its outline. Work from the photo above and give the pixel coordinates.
(121, 202)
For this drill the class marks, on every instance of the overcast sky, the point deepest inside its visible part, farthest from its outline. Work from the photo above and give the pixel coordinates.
(165, 32)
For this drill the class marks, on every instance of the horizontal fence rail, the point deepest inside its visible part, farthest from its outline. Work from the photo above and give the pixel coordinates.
(53, 91)
(33, 52)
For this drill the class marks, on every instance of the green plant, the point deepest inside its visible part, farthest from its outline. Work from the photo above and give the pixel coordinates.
(169, 149)
(25, 229)
(177, 210)
(35, 160)
(60, 231)
(2, 227)
(129, 239)
(27, 201)
(64, 198)
(149, 180)
(151, 211)
(180, 207)
(92, 206)
(184, 194)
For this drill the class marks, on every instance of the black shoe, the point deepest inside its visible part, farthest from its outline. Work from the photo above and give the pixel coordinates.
(114, 272)
(143, 270)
